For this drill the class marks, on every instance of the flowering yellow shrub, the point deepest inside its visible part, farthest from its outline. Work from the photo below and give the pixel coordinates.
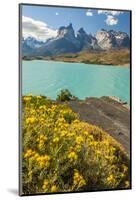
(63, 154)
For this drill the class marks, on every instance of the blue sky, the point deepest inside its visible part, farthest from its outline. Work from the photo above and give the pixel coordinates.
(49, 19)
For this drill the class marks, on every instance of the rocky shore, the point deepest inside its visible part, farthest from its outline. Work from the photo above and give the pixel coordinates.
(108, 113)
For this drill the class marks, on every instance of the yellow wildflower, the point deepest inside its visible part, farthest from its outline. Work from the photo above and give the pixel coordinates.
(36, 155)
(72, 156)
(65, 125)
(45, 184)
(98, 152)
(39, 97)
(43, 161)
(56, 140)
(110, 178)
(54, 188)
(54, 107)
(43, 137)
(79, 140)
(127, 184)
(78, 148)
(29, 153)
(55, 129)
(63, 133)
(27, 98)
(78, 180)
(71, 134)
(42, 107)
(85, 133)
(91, 137)
(76, 121)
(125, 168)
(30, 120)
(41, 144)
(30, 174)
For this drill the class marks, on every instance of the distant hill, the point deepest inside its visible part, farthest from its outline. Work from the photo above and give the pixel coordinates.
(110, 57)
(67, 41)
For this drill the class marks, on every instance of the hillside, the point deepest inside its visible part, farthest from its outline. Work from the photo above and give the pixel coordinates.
(112, 57)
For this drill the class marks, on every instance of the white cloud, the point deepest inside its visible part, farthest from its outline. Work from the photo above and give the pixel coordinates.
(37, 29)
(56, 13)
(111, 16)
(89, 13)
(108, 12)
(111, 20)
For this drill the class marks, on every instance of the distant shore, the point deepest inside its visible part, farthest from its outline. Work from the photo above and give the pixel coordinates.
(114, 57)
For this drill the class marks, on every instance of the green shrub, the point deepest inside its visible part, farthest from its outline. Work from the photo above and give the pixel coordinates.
(65, 95)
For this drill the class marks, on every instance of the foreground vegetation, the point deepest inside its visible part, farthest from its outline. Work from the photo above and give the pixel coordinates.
(65, 95)
(112, 57)
(63, 154)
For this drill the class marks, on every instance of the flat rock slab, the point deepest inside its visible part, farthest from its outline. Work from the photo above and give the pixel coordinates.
(108, 114)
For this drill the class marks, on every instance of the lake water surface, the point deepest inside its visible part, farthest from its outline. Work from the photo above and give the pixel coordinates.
(83, 80)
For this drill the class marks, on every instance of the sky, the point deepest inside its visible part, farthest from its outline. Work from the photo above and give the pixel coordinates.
(42, 22)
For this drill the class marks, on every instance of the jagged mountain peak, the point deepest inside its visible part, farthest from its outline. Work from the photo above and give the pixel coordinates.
(61, 28)
(81, 30)
(87, 41)
(81, 33)
(32, 43)
(112, 39)
(67, 42)
(66, 31)
(104, 30)
(70, 25)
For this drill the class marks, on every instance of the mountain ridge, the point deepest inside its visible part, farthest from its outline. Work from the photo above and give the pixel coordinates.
(67, 42)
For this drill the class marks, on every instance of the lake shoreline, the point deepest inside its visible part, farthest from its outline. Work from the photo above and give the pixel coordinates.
(119, 57)
(126, 65)
(43, 77)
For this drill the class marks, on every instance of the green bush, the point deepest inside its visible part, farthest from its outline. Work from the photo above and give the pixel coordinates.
(65, 95)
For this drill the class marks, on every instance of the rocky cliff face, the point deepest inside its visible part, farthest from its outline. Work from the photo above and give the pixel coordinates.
(87, 42)
(29, 45)
(67, 42)
(68, 34)
(64, 42)
(122, 39)
(33, 43)
(112, 39)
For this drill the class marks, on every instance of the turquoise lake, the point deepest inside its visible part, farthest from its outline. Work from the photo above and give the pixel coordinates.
(83, 80)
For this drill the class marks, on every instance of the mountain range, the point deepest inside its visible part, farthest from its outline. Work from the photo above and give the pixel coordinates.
(67, 41)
